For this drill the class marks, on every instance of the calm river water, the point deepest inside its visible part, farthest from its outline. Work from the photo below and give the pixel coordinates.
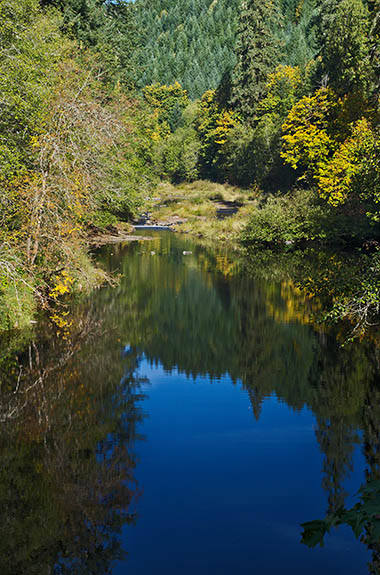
(186, 421)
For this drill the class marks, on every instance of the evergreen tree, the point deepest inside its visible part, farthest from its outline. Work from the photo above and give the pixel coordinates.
(299, 32)
(346, 50)
(374, 40)
(258, 53)
(108, 28)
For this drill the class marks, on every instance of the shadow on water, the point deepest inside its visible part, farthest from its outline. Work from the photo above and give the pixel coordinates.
(71, 408)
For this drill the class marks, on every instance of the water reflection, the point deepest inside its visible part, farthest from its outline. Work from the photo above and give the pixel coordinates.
(69, 411)
(204, 315)
(70, 404)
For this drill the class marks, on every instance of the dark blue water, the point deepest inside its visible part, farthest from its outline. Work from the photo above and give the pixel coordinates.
(187, 420)
(223, 493)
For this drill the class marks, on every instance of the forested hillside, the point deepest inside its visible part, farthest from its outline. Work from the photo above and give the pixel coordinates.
(299, 107)
(191, 41)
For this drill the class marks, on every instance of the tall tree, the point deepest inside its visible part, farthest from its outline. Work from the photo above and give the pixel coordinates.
(108, 28)
(258, 53)
(345, 46)
(374, 39)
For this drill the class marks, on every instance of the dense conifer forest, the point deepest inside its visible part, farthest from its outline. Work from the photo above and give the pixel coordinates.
(191, 42)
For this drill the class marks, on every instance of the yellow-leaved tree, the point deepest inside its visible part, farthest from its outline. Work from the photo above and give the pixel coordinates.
(308, 132)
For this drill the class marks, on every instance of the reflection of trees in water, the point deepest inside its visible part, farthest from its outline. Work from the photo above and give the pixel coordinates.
(203, 315)
(372, 455)
(66, 437)
(346, 283)
(364, 516)
(346, 382)
(69, 416)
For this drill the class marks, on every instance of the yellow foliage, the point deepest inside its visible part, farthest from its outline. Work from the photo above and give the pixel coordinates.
(336, 177)
(284, 74)
(215, 122)
(306, 140)
(282, 91)
(164, 101)
(63, 284)
(224, 123)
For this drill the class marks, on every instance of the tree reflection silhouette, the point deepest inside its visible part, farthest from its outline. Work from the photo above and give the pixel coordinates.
(205, 315)
(66, 444)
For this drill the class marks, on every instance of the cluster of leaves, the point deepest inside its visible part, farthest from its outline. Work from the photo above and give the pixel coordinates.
(363, 518)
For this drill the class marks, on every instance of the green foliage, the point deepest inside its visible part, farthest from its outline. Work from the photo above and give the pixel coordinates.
(191, 42)
(178, 155)
(214, 124)
(292, 218)
(374, 41)
(299, 32)
(70, 146)
(31, 45)
(167, 103)
(253, 153)
(194, 42)
(17, 305)
(107, 28)
(257, 52)
(346, 49)
(283, 89)
(363, 518)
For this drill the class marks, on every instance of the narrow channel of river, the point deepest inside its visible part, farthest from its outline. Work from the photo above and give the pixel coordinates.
(189, 420)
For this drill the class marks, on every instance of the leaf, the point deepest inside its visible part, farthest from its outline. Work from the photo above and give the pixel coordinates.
(314, 532)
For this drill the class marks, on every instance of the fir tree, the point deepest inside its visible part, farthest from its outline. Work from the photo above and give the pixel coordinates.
(258, 53)
(346, 49)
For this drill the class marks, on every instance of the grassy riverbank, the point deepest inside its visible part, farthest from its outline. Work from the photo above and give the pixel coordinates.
(204, 209)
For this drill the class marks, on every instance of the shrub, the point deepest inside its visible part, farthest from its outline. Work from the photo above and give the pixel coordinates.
(294, 217)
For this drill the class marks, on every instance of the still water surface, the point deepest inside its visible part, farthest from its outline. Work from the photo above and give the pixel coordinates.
(186, 421)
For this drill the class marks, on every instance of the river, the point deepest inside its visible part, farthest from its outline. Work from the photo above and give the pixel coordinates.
(187, 420)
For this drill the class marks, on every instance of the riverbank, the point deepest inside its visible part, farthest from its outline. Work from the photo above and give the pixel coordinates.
(204, 209)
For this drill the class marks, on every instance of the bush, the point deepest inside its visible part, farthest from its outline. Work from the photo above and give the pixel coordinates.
(177, 157)
(301, 215)
(293, 218)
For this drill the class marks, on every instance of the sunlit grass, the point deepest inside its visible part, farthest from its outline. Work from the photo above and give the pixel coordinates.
(195, 207)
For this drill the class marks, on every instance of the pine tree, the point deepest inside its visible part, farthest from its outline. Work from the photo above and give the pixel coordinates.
(258, 53)
(374, 40)
(346, 49)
